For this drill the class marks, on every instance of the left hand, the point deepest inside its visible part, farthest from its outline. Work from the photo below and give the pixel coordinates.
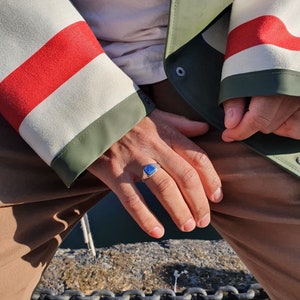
(273, 114)
(184, 184)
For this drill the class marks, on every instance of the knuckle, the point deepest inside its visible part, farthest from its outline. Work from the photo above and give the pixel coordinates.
(260, 122)
(212, 182)
(200, 159)
(215, 181)
(146, 223)
(190, 177)
(132, 202)
(165, 184)
(201, 212)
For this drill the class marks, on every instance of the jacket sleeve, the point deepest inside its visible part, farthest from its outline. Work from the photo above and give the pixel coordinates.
(58, 89)
(263, 49)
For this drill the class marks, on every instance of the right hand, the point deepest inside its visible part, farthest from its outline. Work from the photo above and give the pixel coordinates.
(273, 114)
(183, 184)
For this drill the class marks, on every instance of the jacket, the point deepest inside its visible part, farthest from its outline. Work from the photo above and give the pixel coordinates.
(69, 101)
(217, 50)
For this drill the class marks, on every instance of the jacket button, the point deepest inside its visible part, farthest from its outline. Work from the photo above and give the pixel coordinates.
(298, 160)
(180, 71)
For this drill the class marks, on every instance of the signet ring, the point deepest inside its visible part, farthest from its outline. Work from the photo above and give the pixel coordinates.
(149, 170)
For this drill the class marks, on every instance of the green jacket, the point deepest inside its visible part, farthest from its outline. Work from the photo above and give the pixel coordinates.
(194, 62)
(68, 100)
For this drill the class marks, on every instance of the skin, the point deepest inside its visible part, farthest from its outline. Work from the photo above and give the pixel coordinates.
(277, 114)
(187, 180)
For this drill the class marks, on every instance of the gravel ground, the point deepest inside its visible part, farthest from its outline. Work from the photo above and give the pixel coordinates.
(147, 266)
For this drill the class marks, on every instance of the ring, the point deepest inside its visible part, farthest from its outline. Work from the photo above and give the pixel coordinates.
(149, 170)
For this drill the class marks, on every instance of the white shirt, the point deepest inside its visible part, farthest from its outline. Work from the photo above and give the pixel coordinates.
(132, 33)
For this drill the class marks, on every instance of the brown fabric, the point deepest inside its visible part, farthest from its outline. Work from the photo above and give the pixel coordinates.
(167, 99)
(259, 216)
(36, 213)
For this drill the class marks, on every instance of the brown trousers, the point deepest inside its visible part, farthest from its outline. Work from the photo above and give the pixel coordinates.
(259, 216)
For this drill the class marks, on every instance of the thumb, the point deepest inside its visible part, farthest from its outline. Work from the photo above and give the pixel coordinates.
(234, 110)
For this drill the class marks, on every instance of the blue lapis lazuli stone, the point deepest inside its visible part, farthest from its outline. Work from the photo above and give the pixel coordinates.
(150, 169)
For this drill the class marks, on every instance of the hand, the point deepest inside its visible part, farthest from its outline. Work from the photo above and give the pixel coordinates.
(277, 114)
(181, 184)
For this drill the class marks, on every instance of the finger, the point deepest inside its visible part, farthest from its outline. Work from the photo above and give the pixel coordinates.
(234, 110)
(196, 158)
(266, 114)
(182, 184)
(122, 184)
(167, 192)
(133, 202)
(182, 124)
(291, 127)
(249, 125)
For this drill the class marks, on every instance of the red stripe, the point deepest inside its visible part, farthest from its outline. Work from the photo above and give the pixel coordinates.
(263, 30)
(47, 69)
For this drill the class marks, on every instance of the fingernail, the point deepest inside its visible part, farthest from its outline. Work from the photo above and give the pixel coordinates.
(189, 225)
(229, 114)
(157, 232)
(204, 221)
(226, 138)
(218, 195)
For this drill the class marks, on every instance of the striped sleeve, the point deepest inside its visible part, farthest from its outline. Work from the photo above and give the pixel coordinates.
(58, 89)
(263, 49)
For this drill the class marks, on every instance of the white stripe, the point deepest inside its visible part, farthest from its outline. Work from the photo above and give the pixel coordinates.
(287, 10)
(83, 99)
(28, 25)
(259, 58)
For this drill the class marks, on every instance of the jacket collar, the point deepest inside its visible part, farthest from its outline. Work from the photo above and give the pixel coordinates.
(188, 18)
